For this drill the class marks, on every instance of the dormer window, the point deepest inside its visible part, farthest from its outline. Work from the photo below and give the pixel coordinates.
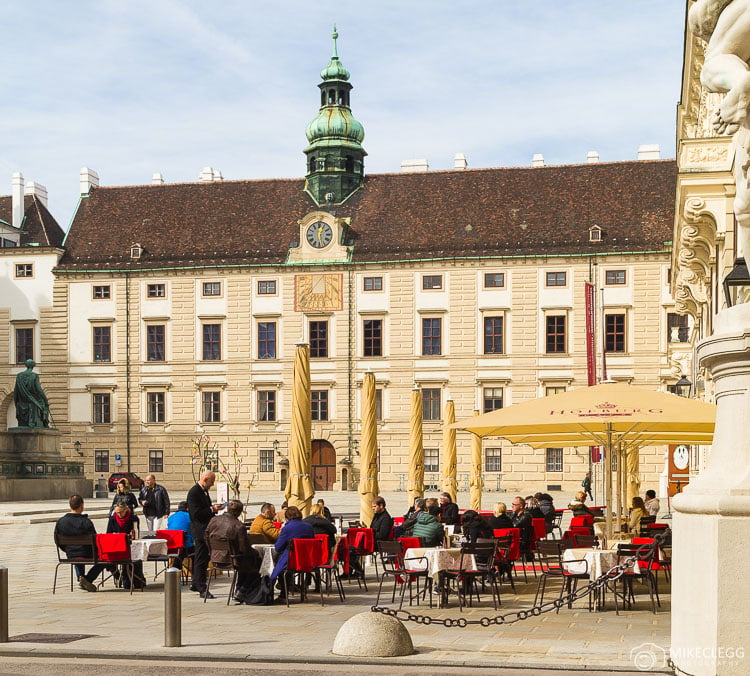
(136, 251)
(595, 234)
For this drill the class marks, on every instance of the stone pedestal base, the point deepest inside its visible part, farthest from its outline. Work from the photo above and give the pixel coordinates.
(711, 521)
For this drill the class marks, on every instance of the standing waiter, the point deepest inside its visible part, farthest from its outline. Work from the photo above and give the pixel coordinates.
(201, 512)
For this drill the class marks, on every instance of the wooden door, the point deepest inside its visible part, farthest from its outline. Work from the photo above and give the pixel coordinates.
(323, 465)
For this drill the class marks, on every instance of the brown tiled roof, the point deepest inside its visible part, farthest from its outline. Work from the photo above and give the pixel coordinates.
(440, 214)
(40, 227)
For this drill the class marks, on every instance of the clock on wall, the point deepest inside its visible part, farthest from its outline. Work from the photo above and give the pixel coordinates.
(681, 457)
(319, 234)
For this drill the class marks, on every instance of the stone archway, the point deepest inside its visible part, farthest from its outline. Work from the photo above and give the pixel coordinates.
(323, 465)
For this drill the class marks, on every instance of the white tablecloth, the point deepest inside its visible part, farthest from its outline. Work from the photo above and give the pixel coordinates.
(267, 558)
(599, 561)
(438, 559)
(140, 550)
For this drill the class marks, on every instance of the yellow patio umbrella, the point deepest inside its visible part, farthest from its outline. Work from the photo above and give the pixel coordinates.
(415, 483)
(450, 485)
(368, 451)
(299, 488)
(476, 483)
(610, 415)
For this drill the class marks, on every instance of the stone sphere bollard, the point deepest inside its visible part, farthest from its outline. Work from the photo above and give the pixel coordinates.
(373, 635)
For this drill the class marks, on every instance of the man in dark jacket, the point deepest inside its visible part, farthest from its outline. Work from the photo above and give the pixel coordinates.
(155, 502)
(448, 510)
(382, 523)
(201, 512)
(76, 523)
(522, 520)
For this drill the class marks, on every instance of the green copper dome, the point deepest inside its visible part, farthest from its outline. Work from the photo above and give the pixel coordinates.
(335, 69)
(335, 124)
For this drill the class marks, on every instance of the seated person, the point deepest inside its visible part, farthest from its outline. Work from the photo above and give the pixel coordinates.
(281, 516)
(405, 529)
(326, 512)
(382, 523)
(293, 528)
(533, 508)
(321, 525)
(263, 524)
(229, 527)
(522, 520)
(500, 518)
(547, 507)
(578, 505)
(123, 520)
(637, 512)
(180, 520)
(652, 503)
(426, 527)
(448, 510)
(473, 526)
(76, 523)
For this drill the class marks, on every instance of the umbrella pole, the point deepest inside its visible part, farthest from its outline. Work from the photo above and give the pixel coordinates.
(618, 501)
(608, 484)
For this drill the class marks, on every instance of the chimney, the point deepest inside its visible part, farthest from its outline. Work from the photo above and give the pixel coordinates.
(33, 188)
(157, 179)
(648, 151)
(592, 157)
(537, 160)
(89, 179)
(414, 166)
(460, 161)
(17, 199)
(218, 176)
(206, 175)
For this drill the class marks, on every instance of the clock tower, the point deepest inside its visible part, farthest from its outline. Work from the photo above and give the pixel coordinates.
(335, 156)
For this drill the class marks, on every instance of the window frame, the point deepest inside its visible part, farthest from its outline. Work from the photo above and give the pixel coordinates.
(552, 279)
(23, 349)
(432, 282)
(154, 345)
(495, 275)
(210, 406)
(211, 341)
(319, 405)
(104, 291)
(266, 402)
(23, 270)
(267, 344)
(615, 277)
(266, 460)
(489, 397)
(97, 341)
(432, 336)
(432, 404)
(209, 286)
(156, 407)
(318, 342)
(432, 454)
(101, 408)
(616, 332)
(490, 340)
(266, 287)
(494, 454)
(674, 320)
(555, 334)
(156, 291)
(553, 460)
(156, 461)
(101, 460)
(374, 282)
(372, 338)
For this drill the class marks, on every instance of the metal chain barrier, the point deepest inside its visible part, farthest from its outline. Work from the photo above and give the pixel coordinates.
(615, 573)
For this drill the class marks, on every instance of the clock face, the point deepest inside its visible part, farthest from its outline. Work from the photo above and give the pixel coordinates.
(681, 457)
(319, 234)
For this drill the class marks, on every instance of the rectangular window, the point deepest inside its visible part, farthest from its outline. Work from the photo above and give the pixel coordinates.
(24, 270)
(494, 280)
(614, 277)
(677, 328)
(155, 342)
(319, 399)
(102, 343)
(211, 408)
(102, 409)
(614, 333)
(493, 335)
(372, 338)
(319, 339)
(212, 288)
(156, 290)
(431, 336)
(492, 398)
(102, 292)
(373, 283)
(553, 389)
(156, 461)
(432, 282)
(266, 340)
(431, 403)
(557, 278)
(266, 287)
(155, 407)
(24, 344)
(378, 404)
(266, 405)
(554, 459)
(266, 460)
(431, 460)
(101, 461)
(555, 333)
(493, 459)
(211, 342)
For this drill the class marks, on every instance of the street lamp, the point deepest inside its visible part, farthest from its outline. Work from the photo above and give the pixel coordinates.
(736, 283)
(276, 443)
(683, 386)
(77, 446)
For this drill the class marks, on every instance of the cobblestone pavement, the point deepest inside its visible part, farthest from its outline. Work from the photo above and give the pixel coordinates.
(118, 625)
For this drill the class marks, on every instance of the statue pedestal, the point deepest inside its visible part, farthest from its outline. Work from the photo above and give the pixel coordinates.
(32, 467)
(711, 520)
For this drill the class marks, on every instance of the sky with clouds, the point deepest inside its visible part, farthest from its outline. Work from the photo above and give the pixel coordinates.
(134, 87)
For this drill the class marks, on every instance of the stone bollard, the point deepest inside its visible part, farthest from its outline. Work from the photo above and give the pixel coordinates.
(373, 635)
(172, 609)
(3, 604)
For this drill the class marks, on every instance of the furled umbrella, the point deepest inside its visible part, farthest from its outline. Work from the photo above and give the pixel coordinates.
(415, 484)
(476, 482)
(450, 485)
(299, 487)
(368, 451)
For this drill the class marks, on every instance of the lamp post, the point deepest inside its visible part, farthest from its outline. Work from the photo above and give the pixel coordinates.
(683, 387)
(77, 446)
(736, 283)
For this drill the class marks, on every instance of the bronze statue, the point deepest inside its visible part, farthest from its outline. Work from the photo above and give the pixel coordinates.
(32, 407)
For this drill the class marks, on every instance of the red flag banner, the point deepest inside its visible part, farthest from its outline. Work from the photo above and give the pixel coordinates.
(590, 343)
